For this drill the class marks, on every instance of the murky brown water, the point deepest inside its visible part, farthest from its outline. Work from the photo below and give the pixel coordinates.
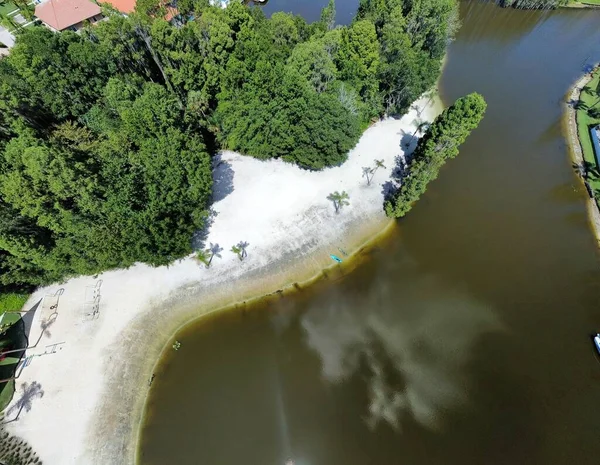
(463, 340)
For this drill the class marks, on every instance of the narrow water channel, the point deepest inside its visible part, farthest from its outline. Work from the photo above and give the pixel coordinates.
(464, 339)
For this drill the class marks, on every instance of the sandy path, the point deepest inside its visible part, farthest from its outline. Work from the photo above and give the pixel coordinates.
(92, 374)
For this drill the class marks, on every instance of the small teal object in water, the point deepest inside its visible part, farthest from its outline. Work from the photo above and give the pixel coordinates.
(336, 258)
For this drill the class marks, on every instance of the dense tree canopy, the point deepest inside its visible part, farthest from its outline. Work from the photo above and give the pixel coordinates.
(105, 136)
(440, 143)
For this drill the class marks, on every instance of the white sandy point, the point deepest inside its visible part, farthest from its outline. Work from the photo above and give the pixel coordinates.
(282, 211)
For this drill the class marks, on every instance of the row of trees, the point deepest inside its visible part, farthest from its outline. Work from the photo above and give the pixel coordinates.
(440, 143)
(532, 4)
(106, 136)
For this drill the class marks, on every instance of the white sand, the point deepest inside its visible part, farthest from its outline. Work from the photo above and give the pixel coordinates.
(94, 384)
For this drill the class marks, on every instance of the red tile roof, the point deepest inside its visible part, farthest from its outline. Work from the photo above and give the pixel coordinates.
(172, 12)
(60, 14)
(124, 6)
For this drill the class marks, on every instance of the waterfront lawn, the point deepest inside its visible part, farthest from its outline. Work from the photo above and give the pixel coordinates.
(582, 3)
(8, 364)
(6, 394)
(12, 302)
(584, 122)
(6, 8)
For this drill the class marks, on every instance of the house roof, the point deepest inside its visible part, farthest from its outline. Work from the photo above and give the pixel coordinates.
(60, 14)
(124, 6)
(128, 6)
(172, 12)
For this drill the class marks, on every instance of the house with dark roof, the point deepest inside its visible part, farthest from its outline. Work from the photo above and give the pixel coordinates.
(61, 15)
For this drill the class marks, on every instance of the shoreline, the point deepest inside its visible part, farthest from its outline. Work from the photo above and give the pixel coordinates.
(96, 382)
(335, 271)
(574, 145)
(580, 6)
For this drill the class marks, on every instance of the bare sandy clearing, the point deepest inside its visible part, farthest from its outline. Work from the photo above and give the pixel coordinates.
(92, 370)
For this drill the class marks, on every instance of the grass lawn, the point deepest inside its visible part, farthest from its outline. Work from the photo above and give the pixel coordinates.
(12, 302)
(7, 7)
(585, 121)
(6, 394)
(8, 366)
(9, 361)
(583, 3)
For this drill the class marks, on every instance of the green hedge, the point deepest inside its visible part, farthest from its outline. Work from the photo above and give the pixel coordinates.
(440, 142)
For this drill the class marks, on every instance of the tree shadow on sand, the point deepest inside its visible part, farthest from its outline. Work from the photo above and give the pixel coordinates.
(222, 178)
(399, 172)
(199, 237)
(29, 392)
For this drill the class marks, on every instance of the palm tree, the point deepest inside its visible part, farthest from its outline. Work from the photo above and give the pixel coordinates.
(204, 257)
(421, 126)
(368, 173)
(215, 251)
(240, 250)
(29, 392)
(339, 200)
(378, 164)
(433, 93)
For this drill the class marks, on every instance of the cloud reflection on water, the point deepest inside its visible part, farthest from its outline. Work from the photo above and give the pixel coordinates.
(415, 341)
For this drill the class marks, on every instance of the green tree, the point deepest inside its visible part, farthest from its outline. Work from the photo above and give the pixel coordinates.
(328, 15)
(204, 256)
(368, 172)
(413, 35)
(290, 120)
(339, 199)
(240, 250)
(440, 142)
(284, 29)
(358, 60)
(49, 77)
(105, 135)
(92, 202)
(420, 127)
(315, 64)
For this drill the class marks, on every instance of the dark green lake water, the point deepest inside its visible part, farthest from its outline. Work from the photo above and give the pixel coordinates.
(464, 339)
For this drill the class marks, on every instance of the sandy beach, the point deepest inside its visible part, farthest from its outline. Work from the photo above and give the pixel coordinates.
(81, 390)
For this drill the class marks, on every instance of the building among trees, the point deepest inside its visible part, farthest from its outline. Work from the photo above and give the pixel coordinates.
(124, 6)
(60, 15)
